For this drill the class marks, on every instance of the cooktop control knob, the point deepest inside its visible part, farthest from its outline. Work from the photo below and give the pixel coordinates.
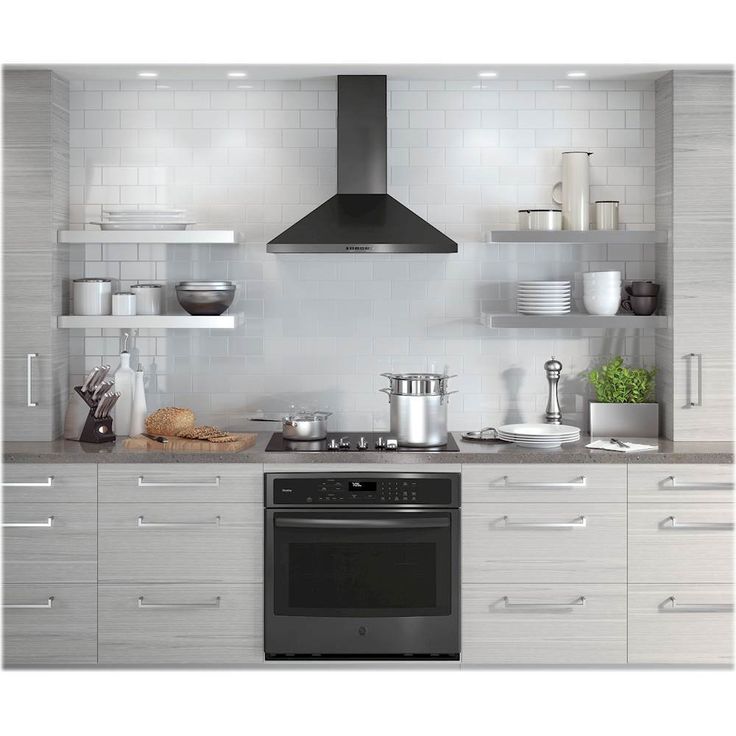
(333, 445)
(344, 443)
(380, 444)
(362, 444)
(392, 444)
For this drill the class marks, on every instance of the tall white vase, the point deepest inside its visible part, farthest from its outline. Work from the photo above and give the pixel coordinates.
(573, 192)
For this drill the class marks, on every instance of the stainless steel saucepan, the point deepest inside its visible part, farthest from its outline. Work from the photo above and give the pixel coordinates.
(301, 426)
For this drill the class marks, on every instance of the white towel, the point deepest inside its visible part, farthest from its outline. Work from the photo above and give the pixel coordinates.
(608, 445)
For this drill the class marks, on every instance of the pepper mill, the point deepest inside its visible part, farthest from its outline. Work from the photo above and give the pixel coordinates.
(553, 415)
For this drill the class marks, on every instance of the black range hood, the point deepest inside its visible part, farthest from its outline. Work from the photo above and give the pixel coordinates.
(361, 217)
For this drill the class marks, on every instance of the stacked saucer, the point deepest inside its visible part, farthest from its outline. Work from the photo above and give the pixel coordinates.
(543, 436)
(543, 297)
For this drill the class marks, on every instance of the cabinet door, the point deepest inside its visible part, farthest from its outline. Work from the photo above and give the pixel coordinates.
(181, 624)
(49, 624)
(681, 624)
(544, 624)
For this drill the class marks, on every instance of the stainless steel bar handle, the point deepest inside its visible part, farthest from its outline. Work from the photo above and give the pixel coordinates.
(29, 524)
(580, 482)
(714, 525)
(214, 604)
(579, 523)
(29, 379)
(404, 523)
(49, 482)
(176, 524)
(49, 603)
(698, 486)
(579, 603)
(698, 357)
(698, 607)
(178, 483)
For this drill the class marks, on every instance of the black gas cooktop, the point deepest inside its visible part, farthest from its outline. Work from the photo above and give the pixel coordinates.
(353, 442)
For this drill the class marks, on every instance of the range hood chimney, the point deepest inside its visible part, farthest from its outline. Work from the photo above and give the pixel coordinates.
(361, 217)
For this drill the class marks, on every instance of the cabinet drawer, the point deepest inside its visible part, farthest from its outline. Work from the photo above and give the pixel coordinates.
(697, 547)
(193, 482)
(49, 624)
(181, 624)
(697, 629)
(56, 483)
(681, 483)
(542, 483)
(183, 542)
(547, 624)
(50, 542)
(544, 542)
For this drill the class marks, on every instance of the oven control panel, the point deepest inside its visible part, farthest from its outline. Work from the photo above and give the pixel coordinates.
(414, 490)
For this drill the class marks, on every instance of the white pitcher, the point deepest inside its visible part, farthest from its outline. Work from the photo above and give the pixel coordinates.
(573, 192)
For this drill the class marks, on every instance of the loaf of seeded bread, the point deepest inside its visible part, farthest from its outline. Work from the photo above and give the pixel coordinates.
(169, 421)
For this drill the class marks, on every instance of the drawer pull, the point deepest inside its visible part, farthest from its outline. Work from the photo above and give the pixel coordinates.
(178, 483)
(49, 482)
(704, 525)
(580, 482)
(696, 607)
(29, 524)
(176, 524)
(214, 604)
(49, 603)
(579, 523)
(579, 603)
(708, 486)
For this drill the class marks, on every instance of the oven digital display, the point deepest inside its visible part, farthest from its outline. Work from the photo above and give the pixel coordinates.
(367, 486)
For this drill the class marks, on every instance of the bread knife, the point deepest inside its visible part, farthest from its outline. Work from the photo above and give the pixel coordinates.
(155, 438)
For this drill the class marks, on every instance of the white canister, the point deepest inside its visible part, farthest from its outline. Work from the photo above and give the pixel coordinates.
(148, 298)
(545, 219)
(92, 296)
(573, 192)
(123, 303)
(606, 214)
(523, 219)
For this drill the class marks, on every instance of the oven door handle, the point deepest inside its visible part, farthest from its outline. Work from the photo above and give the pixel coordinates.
(312, 523)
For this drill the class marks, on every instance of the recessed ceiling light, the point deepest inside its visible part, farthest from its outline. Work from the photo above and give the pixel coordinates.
(577, 74)
(237, 74)
(487, 74)
(147, 74)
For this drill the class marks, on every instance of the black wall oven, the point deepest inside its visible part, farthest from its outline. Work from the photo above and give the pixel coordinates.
(362, 566)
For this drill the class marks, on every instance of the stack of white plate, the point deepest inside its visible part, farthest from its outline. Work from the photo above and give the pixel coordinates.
(543, 436)
(132, 219)
(543, 297)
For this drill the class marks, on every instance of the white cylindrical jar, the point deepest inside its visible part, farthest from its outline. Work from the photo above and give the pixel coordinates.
(545, 220)
(92, 296)
(123, 303)
(573, 192)
(148, 298)
(606, 214)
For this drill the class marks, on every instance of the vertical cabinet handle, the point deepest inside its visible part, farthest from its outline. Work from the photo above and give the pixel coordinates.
(697, 358)
(29, 379)
(44, 484)
(29, 524)
(49, 603)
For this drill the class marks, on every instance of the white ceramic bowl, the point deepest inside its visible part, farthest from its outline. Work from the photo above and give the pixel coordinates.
(602, 276)
(606, 304)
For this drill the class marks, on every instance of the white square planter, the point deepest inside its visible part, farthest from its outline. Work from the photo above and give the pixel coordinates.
(624, 420)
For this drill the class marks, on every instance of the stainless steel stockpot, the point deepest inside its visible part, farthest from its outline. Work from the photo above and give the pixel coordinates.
(419, 421)
(417, 384)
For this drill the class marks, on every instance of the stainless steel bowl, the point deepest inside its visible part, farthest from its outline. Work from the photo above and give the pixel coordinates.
(205, 298)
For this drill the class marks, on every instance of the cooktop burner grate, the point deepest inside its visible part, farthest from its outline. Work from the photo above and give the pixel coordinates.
(350, 442)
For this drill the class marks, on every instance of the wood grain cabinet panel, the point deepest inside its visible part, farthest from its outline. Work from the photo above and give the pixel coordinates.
(543, 542)
(697, 547)
(49, 624)
(180, 624)
(681, 483)
(50, 542)
(181, 482)
(180, 542)
(544, 624)
(75, 482)
(697, 629)
(543, 483)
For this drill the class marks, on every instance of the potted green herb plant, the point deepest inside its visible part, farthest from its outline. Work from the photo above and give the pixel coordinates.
(623, 406)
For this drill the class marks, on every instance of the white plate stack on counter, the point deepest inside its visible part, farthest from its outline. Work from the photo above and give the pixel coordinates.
(543, 297)
(541, 436)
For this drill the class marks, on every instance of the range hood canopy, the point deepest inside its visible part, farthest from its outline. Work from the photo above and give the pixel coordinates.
(361, 217)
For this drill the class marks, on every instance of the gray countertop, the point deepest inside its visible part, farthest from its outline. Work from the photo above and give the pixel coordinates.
(65, 451)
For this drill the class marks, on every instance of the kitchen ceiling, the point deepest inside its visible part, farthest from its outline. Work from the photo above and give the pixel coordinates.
(395, 71)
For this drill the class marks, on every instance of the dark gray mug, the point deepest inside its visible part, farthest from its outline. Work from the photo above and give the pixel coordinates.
(640, 305)
(643, 288)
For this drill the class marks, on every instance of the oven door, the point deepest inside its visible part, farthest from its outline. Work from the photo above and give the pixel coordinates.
(370, 582)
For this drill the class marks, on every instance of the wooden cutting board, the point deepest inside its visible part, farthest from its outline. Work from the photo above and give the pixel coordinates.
(180, 444)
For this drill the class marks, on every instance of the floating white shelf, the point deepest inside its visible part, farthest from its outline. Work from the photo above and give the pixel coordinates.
(152, 321)
(574, 321)
(192, 237)
(589, 237)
